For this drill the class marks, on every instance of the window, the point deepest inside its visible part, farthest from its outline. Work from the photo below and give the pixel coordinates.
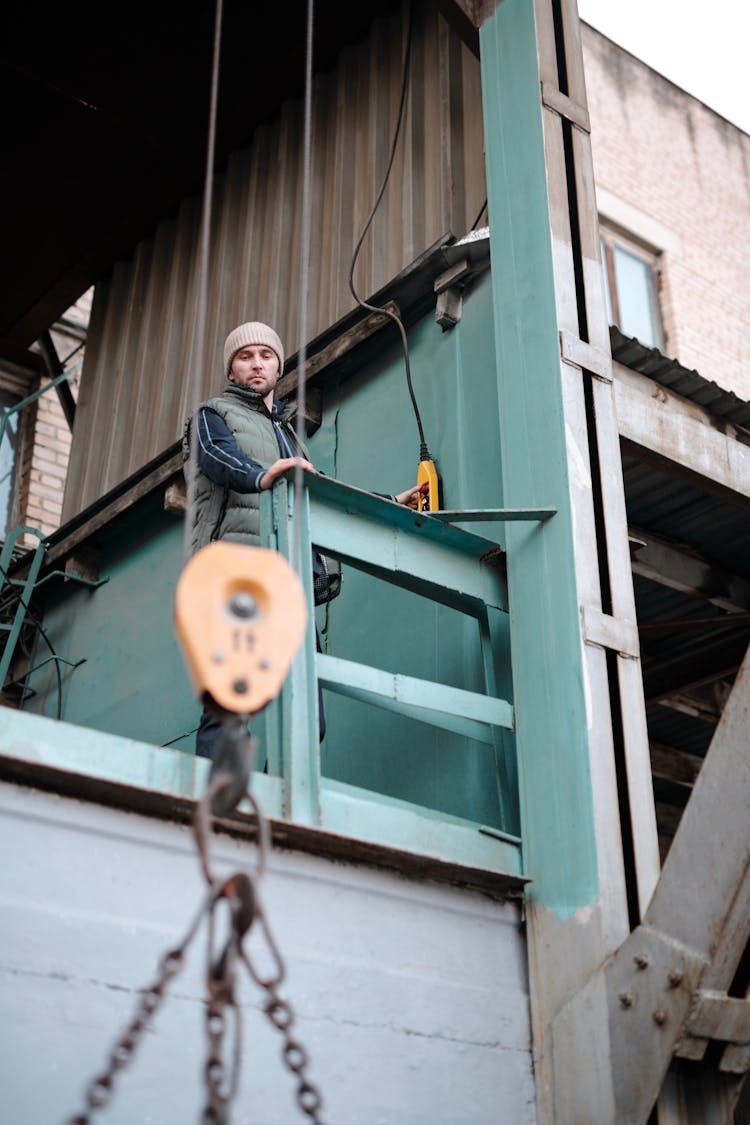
(631, 284)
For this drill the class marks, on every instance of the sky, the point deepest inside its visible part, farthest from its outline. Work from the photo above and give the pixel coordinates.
(700, 45)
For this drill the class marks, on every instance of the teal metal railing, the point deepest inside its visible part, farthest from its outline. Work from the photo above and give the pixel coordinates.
(13, 626)
(15, 601)
(419, 553)
(427, 555)
(9, 411)
(22, 589)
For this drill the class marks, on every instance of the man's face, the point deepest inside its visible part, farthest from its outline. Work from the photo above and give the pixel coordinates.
(255, 366)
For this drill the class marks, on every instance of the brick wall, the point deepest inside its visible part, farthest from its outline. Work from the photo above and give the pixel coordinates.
(664, 153)
(44, 446)
(44, 481)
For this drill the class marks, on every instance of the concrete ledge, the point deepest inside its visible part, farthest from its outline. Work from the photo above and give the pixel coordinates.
(167, 784)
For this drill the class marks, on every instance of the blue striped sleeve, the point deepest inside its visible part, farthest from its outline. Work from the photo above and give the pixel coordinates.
(219, 456)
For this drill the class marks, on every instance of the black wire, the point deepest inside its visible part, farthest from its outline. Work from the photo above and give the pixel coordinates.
(55, 660)
(482, 210)
(424, 454)
(197, 369)
(177, 737)
(38, 626)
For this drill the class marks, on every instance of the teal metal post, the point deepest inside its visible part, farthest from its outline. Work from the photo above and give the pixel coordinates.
(300, 754)
(26, 586)
(540, 199)
(557, 818)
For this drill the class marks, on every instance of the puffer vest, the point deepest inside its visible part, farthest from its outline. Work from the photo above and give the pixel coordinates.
(221, 513)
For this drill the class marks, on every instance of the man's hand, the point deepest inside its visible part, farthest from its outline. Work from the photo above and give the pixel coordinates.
(283, 465)
(410, 498)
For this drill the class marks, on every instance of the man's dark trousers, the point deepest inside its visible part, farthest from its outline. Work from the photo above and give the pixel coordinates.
(209, 725)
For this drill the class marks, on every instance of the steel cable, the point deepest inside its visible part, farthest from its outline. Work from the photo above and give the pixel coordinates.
(196, 380)
(304, 267)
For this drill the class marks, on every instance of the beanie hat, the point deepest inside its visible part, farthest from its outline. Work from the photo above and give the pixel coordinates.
(252, 333)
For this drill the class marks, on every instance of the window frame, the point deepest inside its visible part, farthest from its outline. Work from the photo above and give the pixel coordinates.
(612, 238)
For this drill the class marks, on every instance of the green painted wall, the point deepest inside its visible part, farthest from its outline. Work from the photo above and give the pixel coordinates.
(370, 439)
(134, 682)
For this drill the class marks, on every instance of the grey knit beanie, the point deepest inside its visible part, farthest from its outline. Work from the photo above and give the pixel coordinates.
(252, 333)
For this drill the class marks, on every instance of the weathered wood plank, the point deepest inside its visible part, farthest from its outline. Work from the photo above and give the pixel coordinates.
(671, 565)
(669, 764)
(679, 432)
(338, 348)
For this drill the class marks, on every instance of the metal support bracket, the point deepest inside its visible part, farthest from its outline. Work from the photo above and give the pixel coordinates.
(55, 660)
(715, 1015)
(565, 107)
(493, 515)
(580, 354)
(29, 693)
(610, 632)
(71, 576)
(449, 287)
(736, 1059)
(449, 307)
(722, 1019)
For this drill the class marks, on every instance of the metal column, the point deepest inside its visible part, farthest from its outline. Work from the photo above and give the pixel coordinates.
(588, 821)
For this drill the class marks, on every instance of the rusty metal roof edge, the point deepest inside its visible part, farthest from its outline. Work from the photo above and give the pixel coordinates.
(670, 373)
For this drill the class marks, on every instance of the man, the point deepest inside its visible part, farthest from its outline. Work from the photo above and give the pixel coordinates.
(244, 444)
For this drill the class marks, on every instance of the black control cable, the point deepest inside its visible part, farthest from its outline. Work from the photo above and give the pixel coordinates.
(482, 210)
(424, 454)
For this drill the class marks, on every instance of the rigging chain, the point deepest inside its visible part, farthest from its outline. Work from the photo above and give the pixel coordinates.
(240, 894)
(230, 775)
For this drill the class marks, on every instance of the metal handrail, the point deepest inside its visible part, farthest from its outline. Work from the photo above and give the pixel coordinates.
(8, 411)
(27, 585)
(414, 551)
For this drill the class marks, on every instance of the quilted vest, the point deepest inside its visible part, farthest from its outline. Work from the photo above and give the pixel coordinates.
(220, 513)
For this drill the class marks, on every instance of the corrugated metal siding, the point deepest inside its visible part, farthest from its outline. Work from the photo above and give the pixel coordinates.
(134, 393)
(678, 730)
(720, 532)
(668, 505)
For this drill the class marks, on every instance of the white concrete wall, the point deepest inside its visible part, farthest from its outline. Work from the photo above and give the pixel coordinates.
(411, 997)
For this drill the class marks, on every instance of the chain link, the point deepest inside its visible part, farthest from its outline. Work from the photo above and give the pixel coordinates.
(218, 1096)
(240, 895)
(279, 1012)
(101, 1088)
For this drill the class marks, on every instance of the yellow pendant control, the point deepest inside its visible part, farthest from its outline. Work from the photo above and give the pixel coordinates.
(429, 497)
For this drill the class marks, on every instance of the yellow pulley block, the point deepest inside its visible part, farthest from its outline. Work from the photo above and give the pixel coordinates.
(240, 616)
